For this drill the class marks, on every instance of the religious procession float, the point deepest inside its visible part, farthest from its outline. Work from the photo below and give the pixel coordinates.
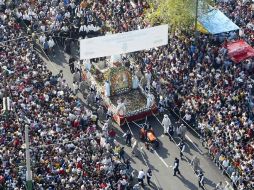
(121, 92)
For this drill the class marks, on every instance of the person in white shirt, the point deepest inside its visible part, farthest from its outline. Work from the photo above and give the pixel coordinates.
(19, 14)
(43, 28)
(123, 182)
(141, 176)
(67, 15)
(234, 179)
(90, 30)
(83, 31)
(27, 19)
(225, 164)
(42, 39)
(75, 87)
(51, 44)
(97, 28)
(65, 28)
(187, 117)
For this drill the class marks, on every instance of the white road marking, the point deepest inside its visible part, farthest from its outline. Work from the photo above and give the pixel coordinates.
(155, 178)
(161, 158)
(194, 144)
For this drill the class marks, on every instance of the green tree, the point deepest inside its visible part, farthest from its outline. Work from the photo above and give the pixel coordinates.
(179, 14)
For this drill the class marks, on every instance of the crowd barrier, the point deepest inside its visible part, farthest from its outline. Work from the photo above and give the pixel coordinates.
(211, 153)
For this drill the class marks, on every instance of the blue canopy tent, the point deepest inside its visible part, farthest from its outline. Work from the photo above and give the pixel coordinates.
(215, 22)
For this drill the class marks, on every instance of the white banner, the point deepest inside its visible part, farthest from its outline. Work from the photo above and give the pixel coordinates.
(124, 42)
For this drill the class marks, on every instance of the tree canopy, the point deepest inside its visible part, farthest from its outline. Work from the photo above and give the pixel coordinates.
(178, 14)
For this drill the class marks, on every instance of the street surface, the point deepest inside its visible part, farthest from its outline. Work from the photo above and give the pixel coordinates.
(160, 160)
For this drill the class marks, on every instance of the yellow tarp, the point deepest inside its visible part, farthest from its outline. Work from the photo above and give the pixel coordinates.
(202, 28)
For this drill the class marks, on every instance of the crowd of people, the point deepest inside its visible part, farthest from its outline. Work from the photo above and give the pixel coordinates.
(66, 21)
(191, 74)
(68, 151)
(196, 79)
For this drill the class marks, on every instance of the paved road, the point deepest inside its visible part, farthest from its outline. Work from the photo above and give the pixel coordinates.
(161, 160)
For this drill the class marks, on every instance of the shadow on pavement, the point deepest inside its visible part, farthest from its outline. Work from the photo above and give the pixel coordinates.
(209, 183)
(187, 183)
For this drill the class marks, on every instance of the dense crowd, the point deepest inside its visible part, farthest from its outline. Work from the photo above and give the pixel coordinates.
(66, 21)
(191, 74)
(68, 151)
(241, 13)
(196, 78)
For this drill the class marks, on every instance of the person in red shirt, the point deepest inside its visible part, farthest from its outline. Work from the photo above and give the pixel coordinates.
(250, 133)
(76, 123)
(111, 133)
(79, 165)
(103, 185)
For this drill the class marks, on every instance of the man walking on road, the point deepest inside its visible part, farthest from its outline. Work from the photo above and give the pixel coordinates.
(182, 148)
(141, 176)
(134, 147)
(149, 176)
(128, 137)
(122, 154)
(71, 64)
(201, 180)
(183, 130)
(176, 167)
(195, 163)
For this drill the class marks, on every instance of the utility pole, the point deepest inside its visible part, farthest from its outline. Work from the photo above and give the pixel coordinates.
(29, 184)
(196, 17)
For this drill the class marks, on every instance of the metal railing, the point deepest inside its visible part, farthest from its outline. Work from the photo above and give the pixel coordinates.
(199, 135)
